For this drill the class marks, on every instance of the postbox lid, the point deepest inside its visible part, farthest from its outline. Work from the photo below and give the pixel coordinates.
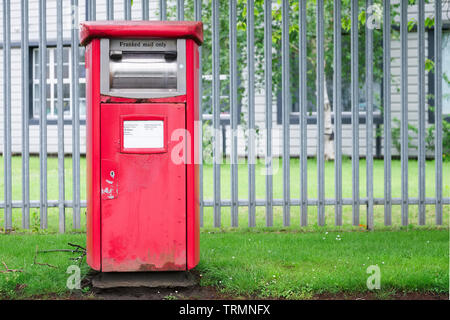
(141, 29)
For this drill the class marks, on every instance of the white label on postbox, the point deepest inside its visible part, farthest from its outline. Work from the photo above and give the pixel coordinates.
(143, 134)
(143, 44)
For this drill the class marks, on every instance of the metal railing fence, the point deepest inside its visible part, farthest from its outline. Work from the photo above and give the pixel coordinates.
(303, 202)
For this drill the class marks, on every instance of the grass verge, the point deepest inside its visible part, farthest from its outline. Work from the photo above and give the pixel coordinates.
(261, 262)
(299, 265)
(43, 277)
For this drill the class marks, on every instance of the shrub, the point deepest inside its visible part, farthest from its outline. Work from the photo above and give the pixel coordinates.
(429, 140)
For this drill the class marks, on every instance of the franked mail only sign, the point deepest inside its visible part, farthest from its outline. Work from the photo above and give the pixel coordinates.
(144, 45)
(143, 134)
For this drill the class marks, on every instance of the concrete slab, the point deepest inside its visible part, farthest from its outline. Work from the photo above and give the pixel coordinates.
(168, 279)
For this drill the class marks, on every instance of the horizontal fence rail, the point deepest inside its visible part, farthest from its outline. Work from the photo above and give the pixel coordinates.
(310, 88)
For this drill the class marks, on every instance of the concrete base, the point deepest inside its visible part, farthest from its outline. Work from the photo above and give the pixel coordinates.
(167, 279)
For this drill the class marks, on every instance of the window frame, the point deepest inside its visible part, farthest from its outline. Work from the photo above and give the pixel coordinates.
(445, 115)
(312, 116)
(431, 83)
(52, 80)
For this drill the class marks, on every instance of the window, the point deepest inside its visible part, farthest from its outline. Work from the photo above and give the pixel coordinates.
(445, 74)
(52, 82)
(377, 80)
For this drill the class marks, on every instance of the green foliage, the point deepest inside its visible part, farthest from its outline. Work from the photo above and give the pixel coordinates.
(35, 221)
(411, 25)
(430, 139)
(429, 22)
(9, 281)
(259, 34)
(429, 65)
(207, 142)
(276, 45)
(396, 135)
(170, 297)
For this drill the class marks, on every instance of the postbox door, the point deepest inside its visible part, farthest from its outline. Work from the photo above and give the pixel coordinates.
(143, 187)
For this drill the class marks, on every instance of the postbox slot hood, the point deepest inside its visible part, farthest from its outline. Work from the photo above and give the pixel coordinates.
(149, 70)
(141, 29)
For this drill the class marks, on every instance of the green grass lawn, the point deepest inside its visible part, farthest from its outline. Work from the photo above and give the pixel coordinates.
(18, 252)
(285, 262)
(260, 192)
(292, 265)
(298, 265)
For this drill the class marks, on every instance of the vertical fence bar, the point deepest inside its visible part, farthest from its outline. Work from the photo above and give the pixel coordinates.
(303, 117)
(198, 17)
(91, 12)
(25, 117)
(286, 108)
(369, 117)
(268, 99)
(438, 107)
(94, 10)
(75, 104)
(145, 13)
(404, 108)
(162, 10)
(355, 111)
(321, 86)
(7, 113)
(43, 112)
(337, 105)
(234, 114)
(110, 9)
(421, 111)
(127, 9)
(387, 110)
(251, 113)
(59, 72)
(180, 10)
(216, 111)
(87, 10)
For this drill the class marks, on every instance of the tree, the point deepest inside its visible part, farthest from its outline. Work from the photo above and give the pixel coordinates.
(294, 50)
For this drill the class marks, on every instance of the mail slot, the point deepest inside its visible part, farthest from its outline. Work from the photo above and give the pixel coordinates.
(128, 70)
(142, 144)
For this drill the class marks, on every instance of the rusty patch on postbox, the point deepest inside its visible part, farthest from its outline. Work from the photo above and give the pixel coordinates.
(169, 266)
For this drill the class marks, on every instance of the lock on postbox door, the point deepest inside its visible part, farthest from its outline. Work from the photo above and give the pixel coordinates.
(142, 144)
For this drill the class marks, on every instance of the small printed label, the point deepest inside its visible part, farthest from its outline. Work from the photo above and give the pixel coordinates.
(144, 45)
(140, 134)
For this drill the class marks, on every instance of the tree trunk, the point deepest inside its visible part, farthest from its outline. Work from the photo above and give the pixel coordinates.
(329, 134)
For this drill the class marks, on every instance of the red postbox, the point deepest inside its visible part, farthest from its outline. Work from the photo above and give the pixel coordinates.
(142, 144)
